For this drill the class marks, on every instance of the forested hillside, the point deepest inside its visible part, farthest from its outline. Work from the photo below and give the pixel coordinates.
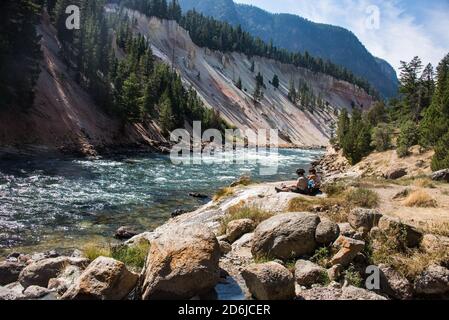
(19, 52)
(117, 80)
(217, 35)
(421, 113)
(300, 35)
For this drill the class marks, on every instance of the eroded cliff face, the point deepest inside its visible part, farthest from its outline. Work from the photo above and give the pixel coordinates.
(64, 118)
(213, 74)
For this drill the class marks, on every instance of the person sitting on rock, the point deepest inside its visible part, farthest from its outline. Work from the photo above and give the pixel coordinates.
(314, 182)
(299, 187)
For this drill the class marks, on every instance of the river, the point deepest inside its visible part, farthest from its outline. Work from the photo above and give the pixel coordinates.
(62, 203)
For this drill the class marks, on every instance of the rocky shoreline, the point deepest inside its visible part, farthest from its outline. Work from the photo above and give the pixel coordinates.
(226, 244)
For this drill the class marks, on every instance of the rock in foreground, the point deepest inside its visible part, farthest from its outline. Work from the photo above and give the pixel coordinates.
(286, 236)
(433, 281)
(40, 272)
(364, 219)
(104, 279)
(182, 264)
(269, 281)
(308, 273)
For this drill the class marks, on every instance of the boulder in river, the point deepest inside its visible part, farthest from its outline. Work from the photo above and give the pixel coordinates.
(182, 263)
(125, 233)
(198, 195)
(178, 212)
(286, 236)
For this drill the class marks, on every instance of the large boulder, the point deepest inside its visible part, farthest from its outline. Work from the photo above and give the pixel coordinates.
(393, 226)
(395, 173)
(237, 228)
(104, 279)
(442, 175)
(348, 249)
(9, 271)
(327, 232)
(286, 236)
(269, 281)
(433, 281)
(182, 264)
(394, 284)
(308, 273)
(364, 219)
(40, 272)
(125, 233)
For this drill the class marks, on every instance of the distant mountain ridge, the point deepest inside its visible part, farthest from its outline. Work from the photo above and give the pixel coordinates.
(295, 33)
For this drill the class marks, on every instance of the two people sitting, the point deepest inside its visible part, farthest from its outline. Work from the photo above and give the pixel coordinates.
(307, 186)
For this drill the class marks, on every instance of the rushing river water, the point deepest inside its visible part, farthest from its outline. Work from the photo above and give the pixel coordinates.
(61, 203)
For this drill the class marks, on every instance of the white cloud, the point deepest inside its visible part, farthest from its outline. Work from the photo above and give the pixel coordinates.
(401, 34)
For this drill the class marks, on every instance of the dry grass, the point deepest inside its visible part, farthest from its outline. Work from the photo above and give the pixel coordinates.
(421, 199)
(390, 249)
(94, 250)
(363, 198)
(337, 206)
(302, 204)
(424, 183)
(224, 193)
(242, 211)
(244, 180)
(439, 229)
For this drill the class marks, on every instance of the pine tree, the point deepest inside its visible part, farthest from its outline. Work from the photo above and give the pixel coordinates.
(20, 52)
(258, 93)
(409, 88)
(292, 92)
(342, 126)
(129, 99)
(275, 81)
(166, 118)
(426, 89)
(435, 121)
(408, 137)
(252, 68)
(238, 84)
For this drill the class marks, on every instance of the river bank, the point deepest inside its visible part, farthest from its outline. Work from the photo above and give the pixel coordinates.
(51, 203)
(251, 242)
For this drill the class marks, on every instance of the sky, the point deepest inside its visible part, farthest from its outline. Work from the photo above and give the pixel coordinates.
(395, 30)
